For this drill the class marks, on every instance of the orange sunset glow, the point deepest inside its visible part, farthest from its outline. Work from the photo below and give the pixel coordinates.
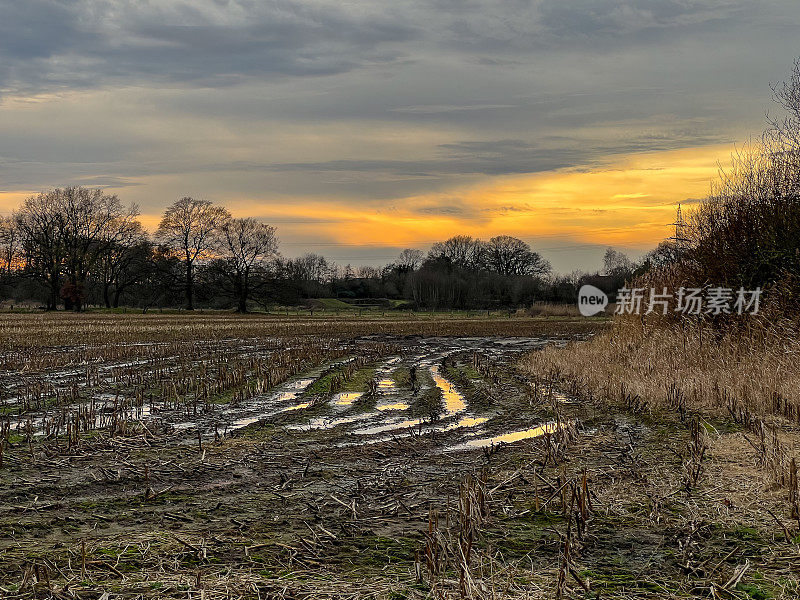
(629, 203)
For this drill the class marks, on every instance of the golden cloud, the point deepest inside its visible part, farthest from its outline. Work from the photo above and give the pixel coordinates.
(628, 202)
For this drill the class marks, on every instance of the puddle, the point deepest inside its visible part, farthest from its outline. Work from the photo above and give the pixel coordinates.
(464, 422)
(393, 406)
(385, 420)
(300, 384)
(266, 406)
(427, 427)
(388, 426)
(453, 400)
(244, 422)
(300, 406)
(345, 398)
(386, 385)
(510, 437)
(330, 423)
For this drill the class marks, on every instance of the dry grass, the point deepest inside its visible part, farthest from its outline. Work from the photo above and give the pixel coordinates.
(548, 309)
(751, 369)
(731, 398)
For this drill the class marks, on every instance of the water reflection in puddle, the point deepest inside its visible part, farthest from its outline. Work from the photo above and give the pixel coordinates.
(510, 437)
(465, 422)
(388, 419)
(345, 398)
(300, 406)
(329, 423)
(300, 384)
(244, 422)
(386, 385)
(290, 393)
(453, 400)
(400, 424)
(389, 426)
(393, 406)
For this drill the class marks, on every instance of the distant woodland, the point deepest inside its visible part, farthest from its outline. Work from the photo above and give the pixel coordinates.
(74, 247)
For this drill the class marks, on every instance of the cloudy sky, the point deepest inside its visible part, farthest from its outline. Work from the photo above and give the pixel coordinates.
(360, 128)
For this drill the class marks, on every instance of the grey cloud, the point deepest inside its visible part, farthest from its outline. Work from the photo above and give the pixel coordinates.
(448, 108)
(106, 181)
(601, 18)
(604, 24)
(444, 209)
(499, 157)
(48, 45)
(36, 28)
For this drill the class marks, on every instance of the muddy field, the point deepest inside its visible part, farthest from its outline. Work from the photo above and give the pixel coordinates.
(221, 457)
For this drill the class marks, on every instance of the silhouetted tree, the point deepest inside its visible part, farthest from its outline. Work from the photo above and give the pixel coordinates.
(125, 266)
(188, 227)
(67, 231)
(246, 245)
(9, 245)
(463, 251)
(409, 259)
(617, 263)
(508, 255)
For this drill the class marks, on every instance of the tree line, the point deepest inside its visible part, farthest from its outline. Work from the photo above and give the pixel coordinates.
(71, 245)
(74, 246)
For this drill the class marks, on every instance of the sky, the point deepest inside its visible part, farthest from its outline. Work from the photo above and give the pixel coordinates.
(361, 128)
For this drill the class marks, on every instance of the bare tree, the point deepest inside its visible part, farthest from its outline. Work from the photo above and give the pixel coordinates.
(617, 263)
(368, 272)
(784, 130)
(462, 251)
(9, 244)
(188, 227)
(128, 246)
(42, 229)
(509, 256)
(410, 259)
(663, 255)
(747, 232)
(246, 245)
(95, 222)
(67, 231)
(310, 267)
